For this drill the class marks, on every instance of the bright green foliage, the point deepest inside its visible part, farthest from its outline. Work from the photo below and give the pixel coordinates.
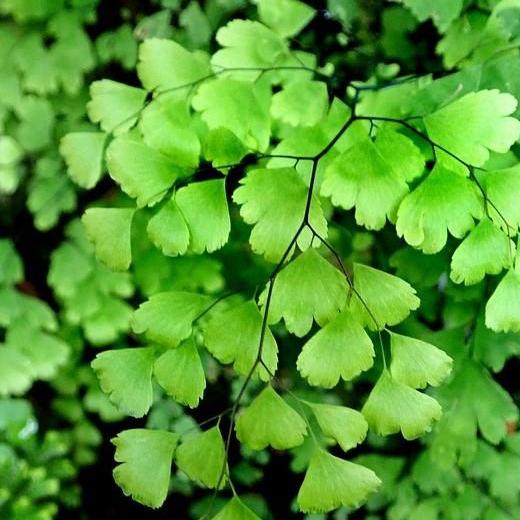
(331, 482)
(205, 210)
(168, 229)
(10, 155)
(233, 336)
(222, 104)
(144, 173)
(444, 201)
(346, 426)
(372, 177)
(12, 267)
(287, 104)
(167, 127)
(235, 510)
(114, 105)
(392, 407)
(306, 289)
(44, 352)
(501, 309)
(109, 230)
(195, 219)
(119, 45)
(92, 296)
(221, 146)
(126, 376)
(310, 157)
(286, 17)
(380, 298)
(179, 371)
(164, 64)
(15, 372)
(277, 213)
(501, 187)
(416, 363)
(474, 124)
(202, 456)
(167, 317)
(442, 12)
(248, 44)
(83, 153)
(145, 457)
(270, 421)
(341, 349)
(486, 250)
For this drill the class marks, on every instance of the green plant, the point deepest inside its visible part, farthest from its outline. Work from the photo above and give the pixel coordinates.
(297, 257)
(415, 159)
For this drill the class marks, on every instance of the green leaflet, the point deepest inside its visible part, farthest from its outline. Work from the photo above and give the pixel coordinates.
(372, 177)
(486, 250)
(202, 457)
(195, 219)
(502, 308)
(270, 421)
(380, 298)
(222, 104)
(83, 153)
(221, 146)
(392, 407)
(501, 187)
(331, 482)
(126, 376)
(240, 41)
(115, 106)
(142, 172)
(167, 317)
(416, 363)
(168, 230)
(10, 155)
(145, 458)
(444, 201)
(46, 353)
(204, 207)
(277, 214)
(38, 119)
(12, 267)
(442, 12)
(164, 64)
(180, 372)
(15, 372)
(286, 17)
(235, 510)
(18, 307)
(300, 103)
(48, 182)
(233, 336)
(346, 426)
(167, 127)
(109, 230)
(474, 124)
(340, 349)
(307, 289)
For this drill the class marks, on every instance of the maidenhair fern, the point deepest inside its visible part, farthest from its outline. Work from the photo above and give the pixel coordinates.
(286, 245)
(259, 107)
